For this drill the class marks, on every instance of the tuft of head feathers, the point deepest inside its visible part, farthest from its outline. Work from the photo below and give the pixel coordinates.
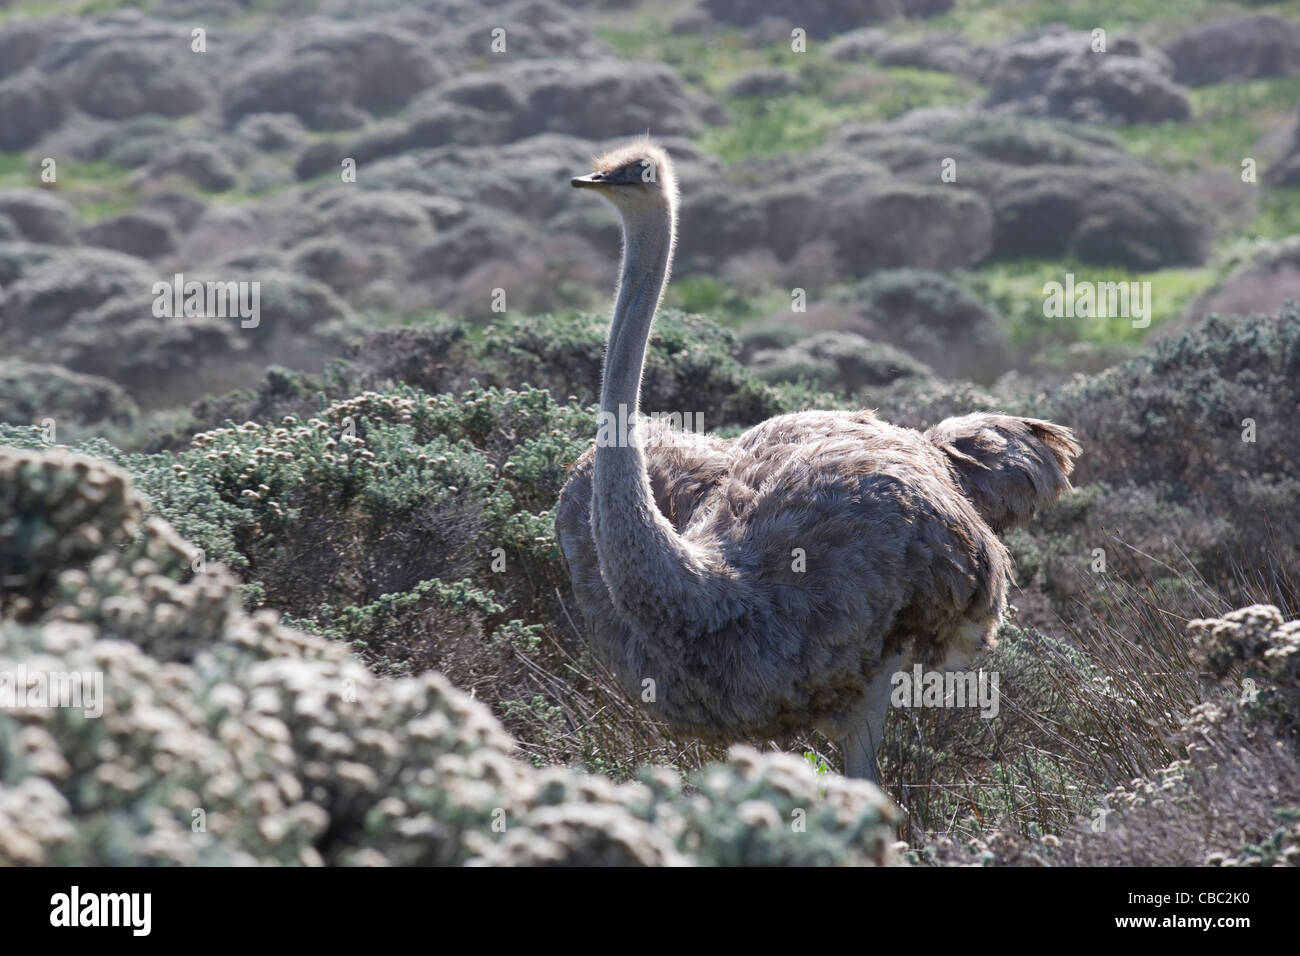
(639, 156)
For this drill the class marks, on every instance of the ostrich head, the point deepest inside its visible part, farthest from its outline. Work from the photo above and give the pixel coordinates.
(636, 178)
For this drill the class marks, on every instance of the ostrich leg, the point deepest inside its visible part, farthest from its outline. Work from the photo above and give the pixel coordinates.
(861, 743)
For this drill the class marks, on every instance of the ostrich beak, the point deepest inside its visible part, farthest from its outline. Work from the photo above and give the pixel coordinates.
(590, 181)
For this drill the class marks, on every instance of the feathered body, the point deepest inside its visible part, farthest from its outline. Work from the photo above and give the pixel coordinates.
(851, 539)
(758, 586)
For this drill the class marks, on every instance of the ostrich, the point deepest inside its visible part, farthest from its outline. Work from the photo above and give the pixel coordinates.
(760, 586)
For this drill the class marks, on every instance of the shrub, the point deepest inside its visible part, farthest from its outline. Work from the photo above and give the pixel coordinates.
(229, 739)
(1225, 798)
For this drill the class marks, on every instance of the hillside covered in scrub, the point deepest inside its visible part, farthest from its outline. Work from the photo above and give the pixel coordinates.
(315, 559)
(376, 551)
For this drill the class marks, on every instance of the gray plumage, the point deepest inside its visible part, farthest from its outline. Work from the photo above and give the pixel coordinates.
(772, 583)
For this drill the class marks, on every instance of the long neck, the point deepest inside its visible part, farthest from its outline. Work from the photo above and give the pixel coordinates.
(654, 576)
(648, 240)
